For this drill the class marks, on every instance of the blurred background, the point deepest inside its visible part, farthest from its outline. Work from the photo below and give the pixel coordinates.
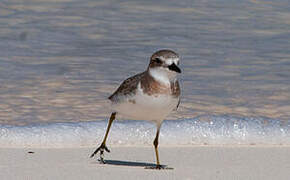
(61, 59)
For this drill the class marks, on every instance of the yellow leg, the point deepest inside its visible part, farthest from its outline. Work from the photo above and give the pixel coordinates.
(112, 118)
(155, 142)
(103, 146)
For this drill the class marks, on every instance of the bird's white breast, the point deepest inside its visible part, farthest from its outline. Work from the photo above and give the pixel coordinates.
(142, 106)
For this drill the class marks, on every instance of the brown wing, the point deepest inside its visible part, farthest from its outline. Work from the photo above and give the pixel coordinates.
(175, 89)
(127, 87)
(177, 105)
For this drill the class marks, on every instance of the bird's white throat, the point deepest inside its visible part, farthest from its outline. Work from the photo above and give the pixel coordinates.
(162, 75)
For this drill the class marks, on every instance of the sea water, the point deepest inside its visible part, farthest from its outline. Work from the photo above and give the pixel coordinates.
(61, 59)
(217, 131)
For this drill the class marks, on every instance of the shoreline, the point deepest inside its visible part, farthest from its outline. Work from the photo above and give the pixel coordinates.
(189, 162)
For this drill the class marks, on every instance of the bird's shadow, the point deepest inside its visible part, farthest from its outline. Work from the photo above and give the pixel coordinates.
(134, 164)
(129, 163)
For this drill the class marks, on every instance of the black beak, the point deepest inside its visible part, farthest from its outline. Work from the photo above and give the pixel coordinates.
(175, 68)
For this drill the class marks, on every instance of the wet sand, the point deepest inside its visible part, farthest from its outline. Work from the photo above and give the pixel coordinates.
(193, 162)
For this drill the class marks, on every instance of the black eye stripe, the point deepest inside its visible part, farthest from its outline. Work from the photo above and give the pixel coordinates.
(157, 60)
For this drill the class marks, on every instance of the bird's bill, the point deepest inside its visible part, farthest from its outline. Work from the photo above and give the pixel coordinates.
(175, 68)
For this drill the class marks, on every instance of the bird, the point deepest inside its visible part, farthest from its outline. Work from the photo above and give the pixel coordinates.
(150, 95)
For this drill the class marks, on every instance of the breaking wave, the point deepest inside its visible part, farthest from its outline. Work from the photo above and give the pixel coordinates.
(211, 130)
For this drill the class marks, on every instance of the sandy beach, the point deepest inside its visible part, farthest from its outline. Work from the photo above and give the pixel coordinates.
(61, 59)
(193, 162)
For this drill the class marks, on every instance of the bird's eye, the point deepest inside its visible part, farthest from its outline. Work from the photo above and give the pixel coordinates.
(157, 60)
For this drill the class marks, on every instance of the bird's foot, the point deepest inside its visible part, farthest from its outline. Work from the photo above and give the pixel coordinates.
(101, 160)
(102, 148)
(159, 167)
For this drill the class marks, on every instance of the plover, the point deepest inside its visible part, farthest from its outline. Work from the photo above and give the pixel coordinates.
(150, 95)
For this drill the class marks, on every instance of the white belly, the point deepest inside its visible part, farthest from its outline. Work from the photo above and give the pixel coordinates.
(144, 107)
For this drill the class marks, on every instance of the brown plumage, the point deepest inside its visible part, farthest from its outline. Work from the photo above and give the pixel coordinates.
(162, 53)
(129, 86)
(148, 84)
(150, 95)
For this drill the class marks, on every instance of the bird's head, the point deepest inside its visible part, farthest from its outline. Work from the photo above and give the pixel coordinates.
(163, 65)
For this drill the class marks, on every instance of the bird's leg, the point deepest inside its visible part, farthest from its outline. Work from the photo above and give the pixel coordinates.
(103, 146)
(155, 142)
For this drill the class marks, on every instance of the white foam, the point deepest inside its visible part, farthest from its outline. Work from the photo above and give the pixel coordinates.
(201, 130)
